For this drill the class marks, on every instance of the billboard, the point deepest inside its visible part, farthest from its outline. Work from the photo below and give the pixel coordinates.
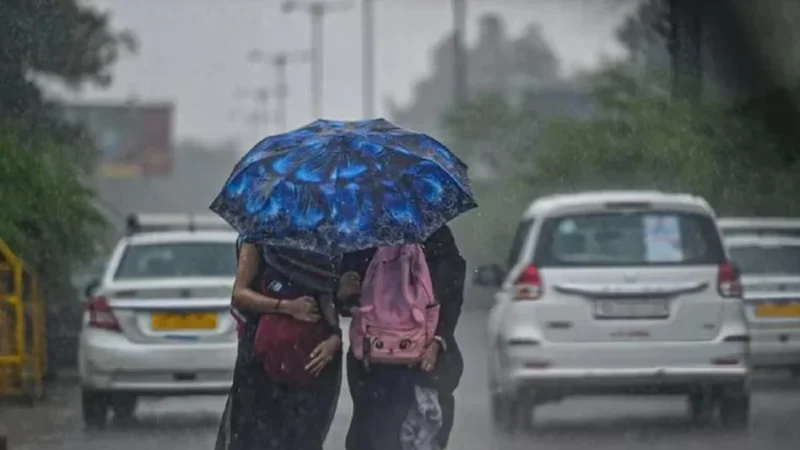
(134, 139)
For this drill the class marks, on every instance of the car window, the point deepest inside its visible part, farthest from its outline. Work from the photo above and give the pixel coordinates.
(629, 239)
(759, 260)
(189, 259)
(523, 229)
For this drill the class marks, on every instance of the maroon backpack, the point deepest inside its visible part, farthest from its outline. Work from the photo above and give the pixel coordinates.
(284, 344)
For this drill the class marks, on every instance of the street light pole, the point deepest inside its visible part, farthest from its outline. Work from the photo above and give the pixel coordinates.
(317, 55)
(260, 115)
(280, 61)
(317, 10)
(459, 53)
(368, 48)
(282, 90)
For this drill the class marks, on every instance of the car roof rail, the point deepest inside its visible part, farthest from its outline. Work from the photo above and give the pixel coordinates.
(146, 222)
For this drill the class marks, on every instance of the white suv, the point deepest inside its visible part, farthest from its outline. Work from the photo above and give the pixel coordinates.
(158, 323)
(617, 293)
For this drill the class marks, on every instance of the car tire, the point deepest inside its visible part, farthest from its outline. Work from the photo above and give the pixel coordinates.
(503, 414)
(734, 410)
(94, 408)
(701, 406)
(124, 408)
(511, 415)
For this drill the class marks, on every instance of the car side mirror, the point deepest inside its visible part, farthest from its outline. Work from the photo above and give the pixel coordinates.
(91, 288)
(491, 275)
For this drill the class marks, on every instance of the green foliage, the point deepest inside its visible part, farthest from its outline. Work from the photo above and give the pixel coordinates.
(639, 140)
(48, 215)
(669, 145)
(63, 38)
(490, 128)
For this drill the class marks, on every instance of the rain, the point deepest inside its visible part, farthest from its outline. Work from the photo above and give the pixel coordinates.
(632, 270)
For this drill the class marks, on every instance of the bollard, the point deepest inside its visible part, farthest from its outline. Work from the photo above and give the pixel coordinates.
(3, 442)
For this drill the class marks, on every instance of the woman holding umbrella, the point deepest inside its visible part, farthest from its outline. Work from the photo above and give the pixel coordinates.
(301, 200)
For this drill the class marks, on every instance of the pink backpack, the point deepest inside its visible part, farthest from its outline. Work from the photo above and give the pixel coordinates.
(398, 315)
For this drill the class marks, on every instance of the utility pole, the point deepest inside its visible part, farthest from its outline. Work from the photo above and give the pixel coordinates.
(460, 64)
(368, 55)
(260, 116)
(280, 62)
(317, 10)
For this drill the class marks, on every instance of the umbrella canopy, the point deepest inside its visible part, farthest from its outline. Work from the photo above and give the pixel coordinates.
(332, 187)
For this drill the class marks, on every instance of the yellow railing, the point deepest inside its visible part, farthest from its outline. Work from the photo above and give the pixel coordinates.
(23, 354)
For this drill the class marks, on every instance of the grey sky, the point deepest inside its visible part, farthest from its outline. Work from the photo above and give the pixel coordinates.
(193, 52)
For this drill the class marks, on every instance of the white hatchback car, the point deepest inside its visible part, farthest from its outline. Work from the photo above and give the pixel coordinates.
(617, 293)
(158, 323)
(770, 268)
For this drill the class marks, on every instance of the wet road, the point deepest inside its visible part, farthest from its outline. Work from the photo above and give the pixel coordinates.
(597, 424)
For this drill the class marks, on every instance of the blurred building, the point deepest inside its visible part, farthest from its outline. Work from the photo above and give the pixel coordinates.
(197, 174)
(133, 139)
(496, 63)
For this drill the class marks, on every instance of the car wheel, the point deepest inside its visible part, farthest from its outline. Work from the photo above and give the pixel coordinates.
(503, 414)
(527, 417)
(734, 410)
(94, 407)
(511, 415)
(124, 407)
(701, 406)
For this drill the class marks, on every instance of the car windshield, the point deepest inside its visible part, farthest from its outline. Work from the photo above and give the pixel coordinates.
(760, 260)
(629, 239)
(186, 259)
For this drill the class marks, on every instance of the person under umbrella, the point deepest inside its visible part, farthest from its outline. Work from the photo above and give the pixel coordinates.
(333, 188)
(446, 366)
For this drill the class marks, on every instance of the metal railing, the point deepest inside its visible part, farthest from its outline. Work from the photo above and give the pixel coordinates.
(23, 354)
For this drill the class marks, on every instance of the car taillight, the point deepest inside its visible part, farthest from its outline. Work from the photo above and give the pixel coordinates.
(528, 285)
(729, 283)
(101, 315)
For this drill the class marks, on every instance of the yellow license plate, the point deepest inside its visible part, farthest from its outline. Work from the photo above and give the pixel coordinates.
(183, 321)
(774, 310)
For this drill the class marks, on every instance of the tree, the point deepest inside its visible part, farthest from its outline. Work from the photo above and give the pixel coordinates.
(672, 146)
(59, 38)
(48, 214)
(645, 33)
(65, 40)
(491, 129)
(498, 139)
(645, 71)
(639, 138)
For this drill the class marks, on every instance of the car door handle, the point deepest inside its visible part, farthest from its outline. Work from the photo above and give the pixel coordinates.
(559, 325)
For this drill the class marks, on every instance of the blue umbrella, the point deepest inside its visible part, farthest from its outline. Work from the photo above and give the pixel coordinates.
(334, 187)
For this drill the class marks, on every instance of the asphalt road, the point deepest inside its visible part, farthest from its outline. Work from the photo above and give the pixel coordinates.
(596, 424)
